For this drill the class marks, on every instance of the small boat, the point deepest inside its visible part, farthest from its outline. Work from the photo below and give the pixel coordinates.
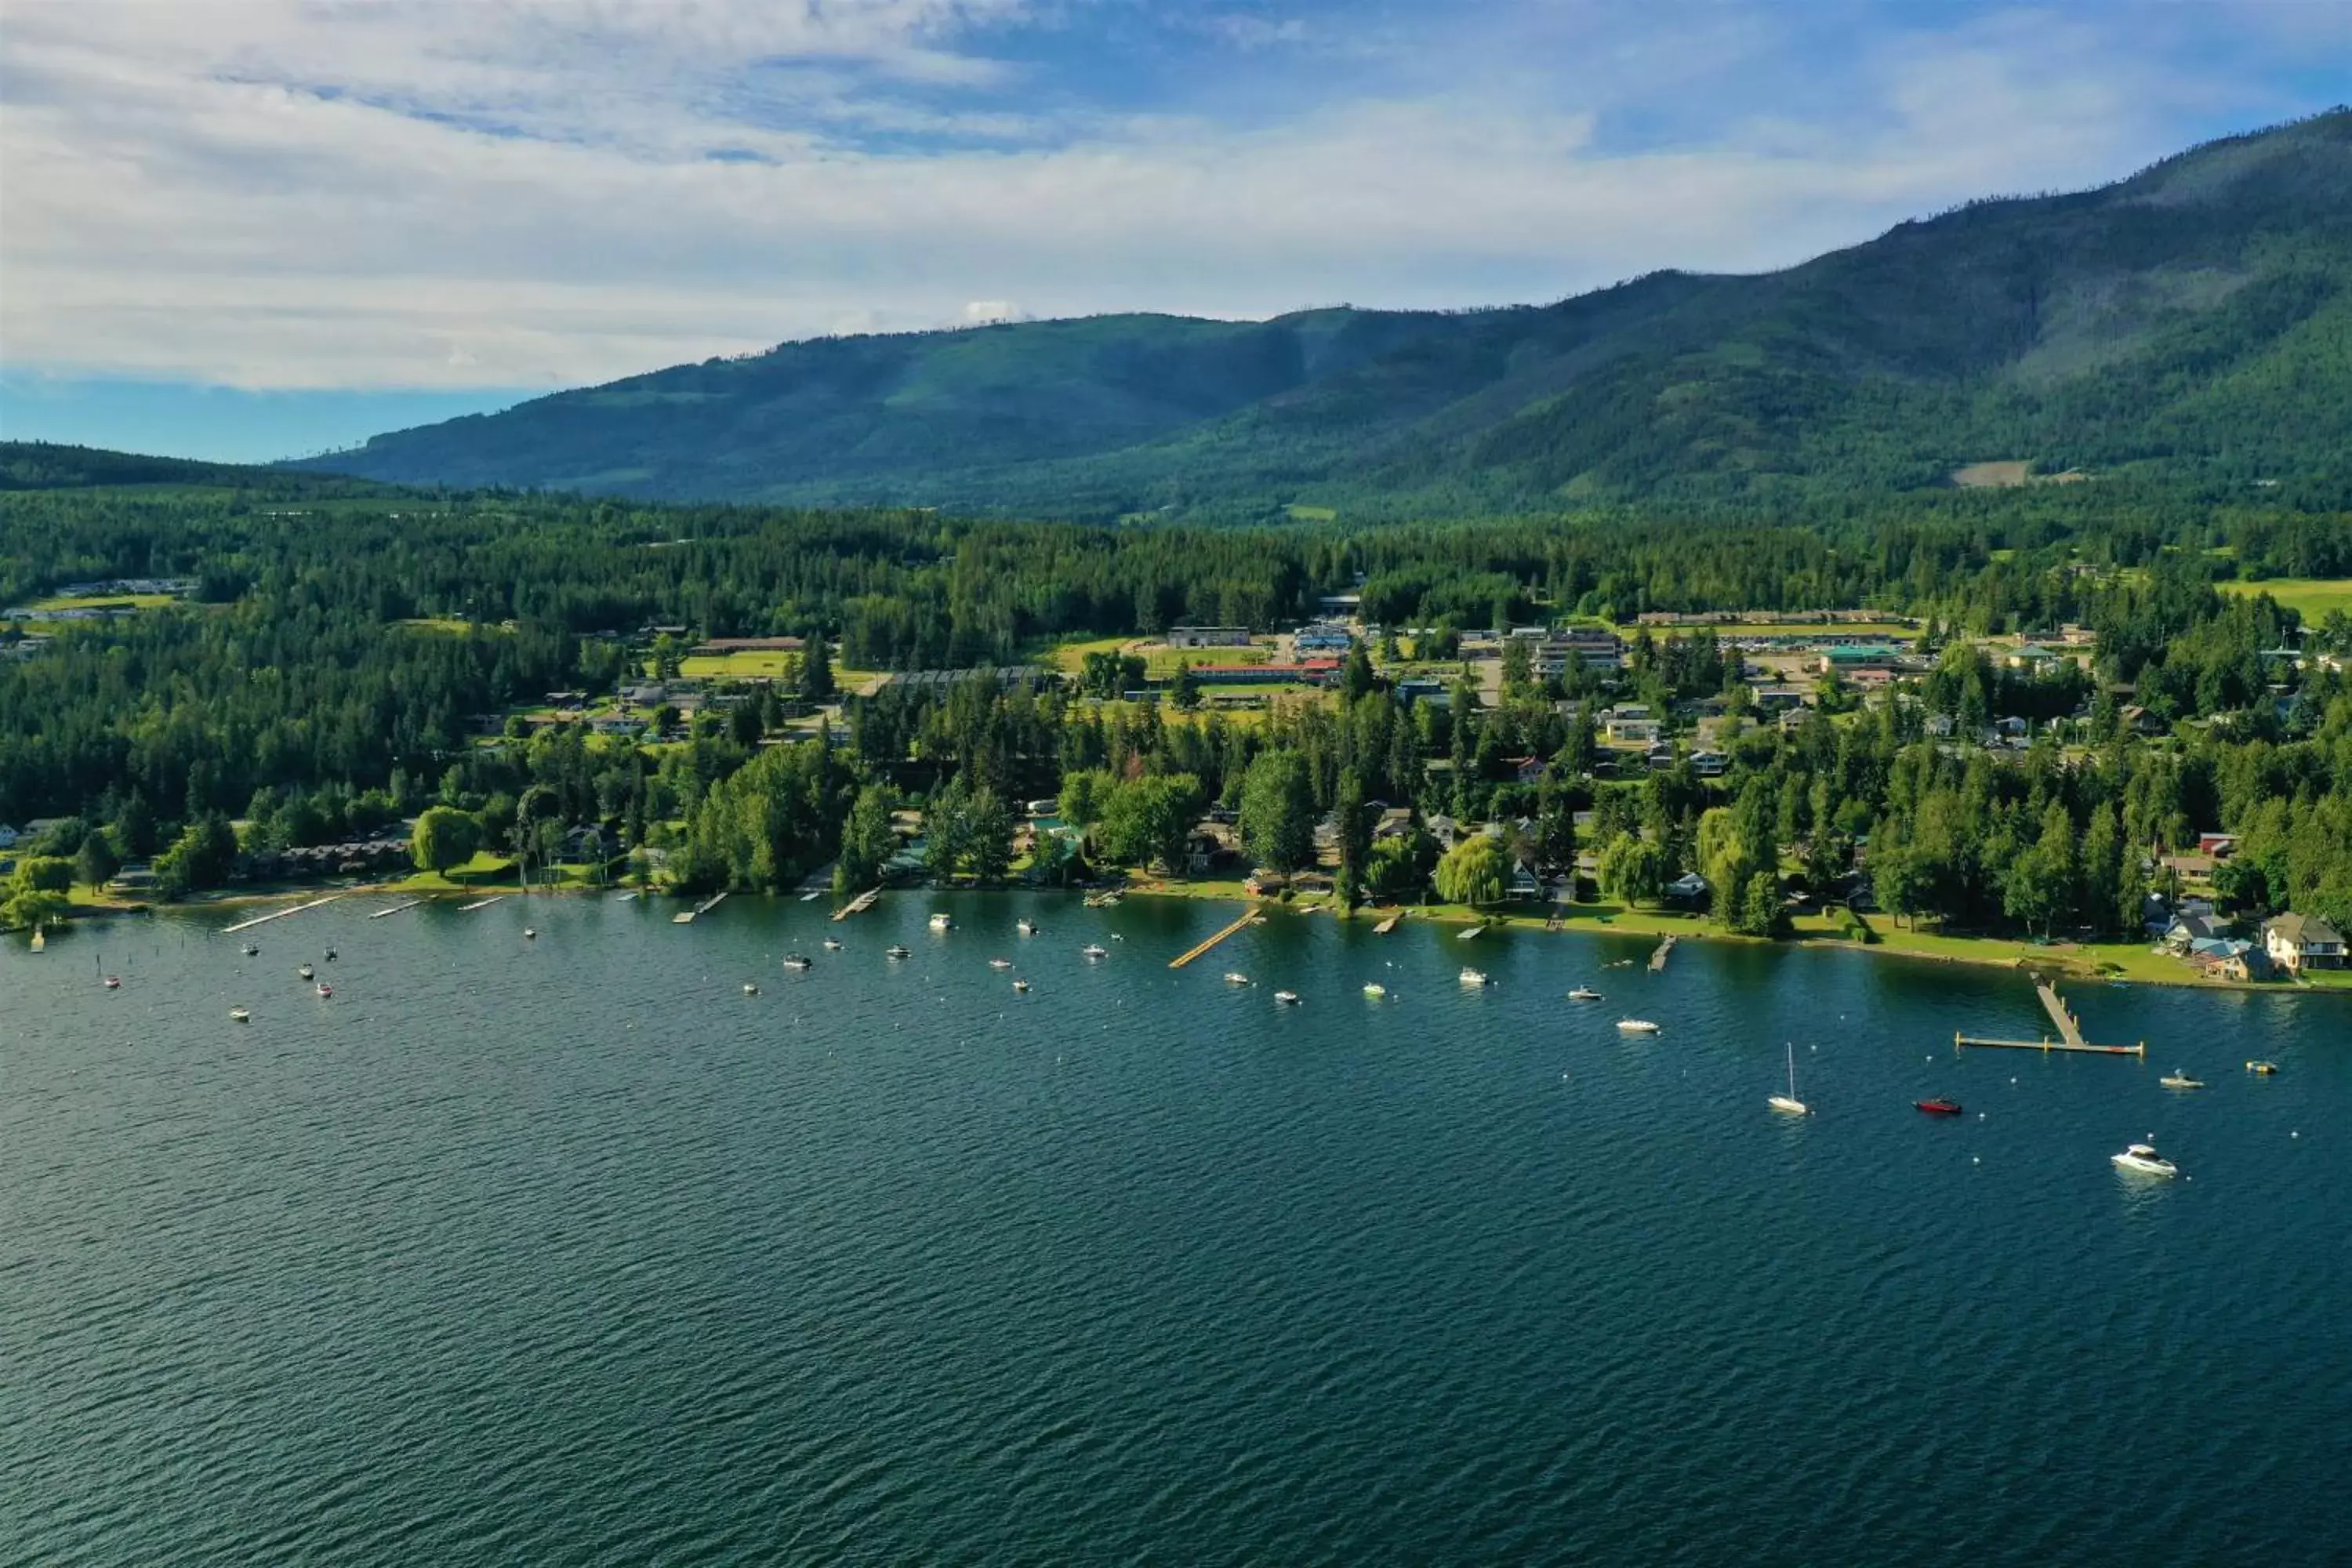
(2262, 1070)
(325, 990)
(529, 934)
(1788, 1102)
(1584, 993)
(833, 945)
(240, 1016)
(1376, 991)
(40, 939)
(1093, 950)
(749, 989)
(813, 894)
(1636, 1026)
(2144, 1159)
(943, 922)
(895, 951)
(114, 982)
(1021, 985)
(2179, 1078)
(1027, 928)
(1000, 964)
(1235, 977)
(1286, 998)
(1473, 976)
(252, 949)
(796, 961)
(307, 972)
(1937, 1107)
(330, 956)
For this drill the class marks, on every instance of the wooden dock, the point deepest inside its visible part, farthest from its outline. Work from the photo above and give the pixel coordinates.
(1658, 958)
(2082, 1047)
(278, 915)
(395, 909)
(1182, 959)
(858, 905)
(479, 904)
(686, 917)
(1391, 923)
(2070, 1027)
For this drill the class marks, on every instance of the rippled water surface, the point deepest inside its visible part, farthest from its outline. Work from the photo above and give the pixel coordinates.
(567, 1251)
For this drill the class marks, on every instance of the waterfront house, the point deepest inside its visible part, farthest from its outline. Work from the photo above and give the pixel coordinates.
(1627, 731)
(1710, 764)
(2297, 942)
(1443, 829)
(1524, 883)
(1690, 887)
(2220, 846)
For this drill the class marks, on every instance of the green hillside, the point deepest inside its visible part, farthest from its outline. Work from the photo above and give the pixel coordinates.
(2193, 323)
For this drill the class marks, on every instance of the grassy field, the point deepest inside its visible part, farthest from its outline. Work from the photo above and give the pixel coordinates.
(104, 601)
(744, 665)
(1069, 658)
(2312, 596)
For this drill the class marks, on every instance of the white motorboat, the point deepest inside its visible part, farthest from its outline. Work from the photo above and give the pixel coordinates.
(306, 972)
(943, 922)
(529, 934)
(1376, 991)
(1636, 1026)
(1286, 998)
(1473, 976)
(2144, 1159)
(1584, 993)
(2261, 1068)
(1788, 1102)
(2179, 1078)
(1027, 928)
(797, 961)
(1094, 950)
(324, 990)
(1000, 964)
(749, 989)
(239, 1016)
(1021, 985)
(1235, 977)
(833, 945)
(895, 951)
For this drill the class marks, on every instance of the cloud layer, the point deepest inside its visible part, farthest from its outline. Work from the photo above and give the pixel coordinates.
(446, 193)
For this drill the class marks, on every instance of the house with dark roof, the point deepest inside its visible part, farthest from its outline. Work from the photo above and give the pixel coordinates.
(2297, 942)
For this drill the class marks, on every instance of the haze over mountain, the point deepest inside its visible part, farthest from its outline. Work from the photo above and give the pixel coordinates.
(2192, 321)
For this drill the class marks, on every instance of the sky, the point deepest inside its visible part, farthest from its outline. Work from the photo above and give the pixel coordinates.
(244, 230)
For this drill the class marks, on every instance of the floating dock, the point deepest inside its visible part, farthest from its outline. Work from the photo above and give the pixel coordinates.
(1658, 958)
(2082, 1047)
(858, 905)
(479, 904)
(277, 915)
(686, 917)
(2070, 1027)
(1182, 959)
(1390, 924)
(395, 909)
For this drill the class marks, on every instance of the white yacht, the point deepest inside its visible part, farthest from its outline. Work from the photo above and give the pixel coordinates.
(239, 1016)
(1000, 964)
(2144, 1159)
(833, 945)
(943, 922)
(1021, 985)
(895, 951)
(2179, 1078)
(1636, 1026)
(1027, 928)
(1376, 991)
(1584, 993)
(1473, 976)
(1094, 950)
(1286, 998)
(796, 961)
(1235, 977)
(1788, 1102)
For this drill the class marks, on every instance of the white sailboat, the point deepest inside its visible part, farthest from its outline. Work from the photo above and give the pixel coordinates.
(1790, 1103)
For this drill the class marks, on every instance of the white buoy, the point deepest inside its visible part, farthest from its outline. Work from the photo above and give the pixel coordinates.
(1976, 1159)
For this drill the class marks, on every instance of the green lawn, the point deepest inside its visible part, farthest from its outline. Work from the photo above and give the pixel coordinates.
(101, 601)
(2312, 596)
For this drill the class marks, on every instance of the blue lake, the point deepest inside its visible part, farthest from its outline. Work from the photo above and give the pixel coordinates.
(568, 1251)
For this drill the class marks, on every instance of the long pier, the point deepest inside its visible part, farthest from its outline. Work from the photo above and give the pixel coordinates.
(395, 909)
(858, 905)
(1391, 923)
(1182, 959)
(2082, 1047)
(277, 915)
(479, 904)
(1658, 958)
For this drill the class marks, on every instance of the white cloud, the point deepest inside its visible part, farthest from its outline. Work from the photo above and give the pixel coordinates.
(453, 193)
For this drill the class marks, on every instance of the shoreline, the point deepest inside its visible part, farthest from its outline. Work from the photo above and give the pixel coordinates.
(1997, 953)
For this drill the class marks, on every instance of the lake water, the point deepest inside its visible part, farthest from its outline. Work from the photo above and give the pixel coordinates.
(567, 1251)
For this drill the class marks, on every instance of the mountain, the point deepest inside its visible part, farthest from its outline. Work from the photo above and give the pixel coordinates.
(2192, 323)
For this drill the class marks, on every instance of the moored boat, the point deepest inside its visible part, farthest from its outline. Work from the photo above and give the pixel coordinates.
(1094, 950)
(1788, 1103)
(529, 934)
(895, 951)
(1584, 993)
(833, 945)
(1286, 998)
(1939, 1107)
(1470, 976)
(1027, 928)
(2179, 1078)
(2262, 1070)
(1000, 964)
(324, 990)
(306, 972)
(943, 922)
(797, 961)
(749, 989)
(114, 982)
(1637, 1026)
(2144, 1159)
(240, 1016)
(1235, 977)
(1021, 985)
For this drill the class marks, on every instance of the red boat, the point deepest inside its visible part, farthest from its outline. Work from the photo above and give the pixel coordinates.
(1939, 1107)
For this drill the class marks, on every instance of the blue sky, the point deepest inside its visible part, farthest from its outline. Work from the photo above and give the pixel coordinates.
(248, 228)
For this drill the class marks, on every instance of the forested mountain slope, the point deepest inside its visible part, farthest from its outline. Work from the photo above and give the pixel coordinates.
(2193, 323)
